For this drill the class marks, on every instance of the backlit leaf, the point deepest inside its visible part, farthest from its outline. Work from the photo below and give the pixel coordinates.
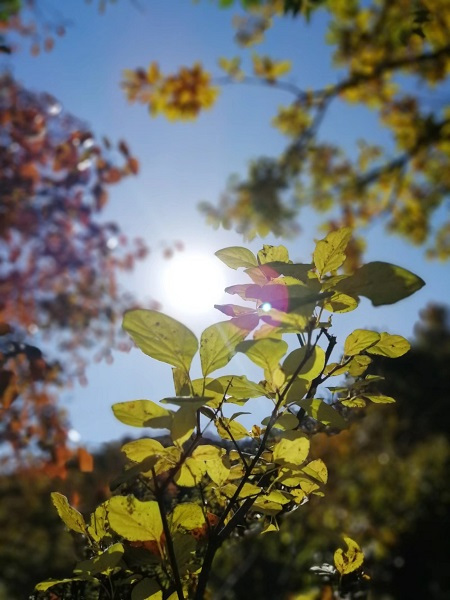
(139, 450)
(270, 254)
(389, 345)
(142, 413)
(229, 430)
(161, 337)
(317, 469)
(102, 563)
(187, 515)
(237, 256)
(183, 424)
(97, 528)
(322, 412)
(190, 473)
(218, 345)
(379, 398)
(247, 490)
(349, 560)
(146, 589)
(329, 253)
(359, 340)
(265, 352)
(71, 517)
(354, 402)
(340, 303)
(312, 366)
(292, 449)
(382, 283)
(240, 387)
(135, 520)
(46, 585)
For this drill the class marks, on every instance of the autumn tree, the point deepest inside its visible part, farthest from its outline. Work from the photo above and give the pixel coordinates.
(391, 58)
(58, 263)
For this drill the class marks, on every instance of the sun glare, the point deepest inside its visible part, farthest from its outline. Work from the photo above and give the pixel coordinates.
(193, 282)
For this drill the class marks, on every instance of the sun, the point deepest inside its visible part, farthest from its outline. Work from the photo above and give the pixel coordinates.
(192, 283)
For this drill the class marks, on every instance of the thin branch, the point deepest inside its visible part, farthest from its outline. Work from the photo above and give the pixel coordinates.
(169, 540)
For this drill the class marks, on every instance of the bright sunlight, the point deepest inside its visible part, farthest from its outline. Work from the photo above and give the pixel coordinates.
(193, 282)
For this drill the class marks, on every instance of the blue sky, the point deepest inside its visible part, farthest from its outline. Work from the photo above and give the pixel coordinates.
(184, 163)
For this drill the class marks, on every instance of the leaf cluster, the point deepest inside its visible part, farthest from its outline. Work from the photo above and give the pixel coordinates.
(177, 503)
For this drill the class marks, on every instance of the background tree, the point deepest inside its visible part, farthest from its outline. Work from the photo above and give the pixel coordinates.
(59, 263)
(390, 58)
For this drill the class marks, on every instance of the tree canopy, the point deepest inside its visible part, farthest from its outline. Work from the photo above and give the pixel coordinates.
(392, 59)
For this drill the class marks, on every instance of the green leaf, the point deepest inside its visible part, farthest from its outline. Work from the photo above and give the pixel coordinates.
(161, 337)
(322, 412)
(359, 340)
(292, 449)
(240, 387)
(329, 254)
(350, 560)
(234, 310)
(392, 346)
(378, 398)
(97, 528)
(218, 345)
(46, 585)
(229, 430)
(270, 254)
(382, 283)
(187, 515)
(355, 402)
(190, 473)
(146, 589)
(71, 517)
(139, 450)
(312, 367)
(297, 390)
(135, 520)
(298, 271)
(142, 413)
(103, 563)
(317, 469)
(237, 256)
(340, 303)
(265, 352)
(247, 490)
(193, 402)
(181, 382)
(216, 462)
(183, 424)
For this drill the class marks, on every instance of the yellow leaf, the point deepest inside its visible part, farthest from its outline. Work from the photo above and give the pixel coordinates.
(71, 517)
(135, 520)
(187, 515)
(139, 450)
(161, 337)
(392, 346)
(142, 413)
(229, 430)
(349, 560)
(360, 340)
(292, 449)
(329, 254)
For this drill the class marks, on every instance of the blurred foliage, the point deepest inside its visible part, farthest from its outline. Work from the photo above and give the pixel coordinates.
(34, 540)
(58, 264)
(387, 487)
(391, 58)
